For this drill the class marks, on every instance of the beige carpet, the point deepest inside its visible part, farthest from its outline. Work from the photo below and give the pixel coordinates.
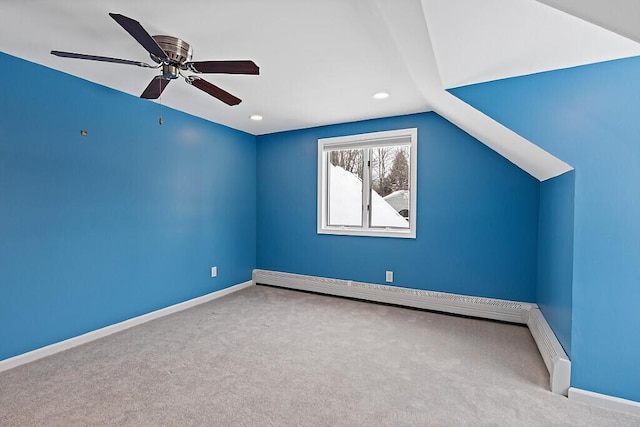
(273, 357)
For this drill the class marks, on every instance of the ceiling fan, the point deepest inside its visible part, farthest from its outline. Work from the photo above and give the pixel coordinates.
(173, 55)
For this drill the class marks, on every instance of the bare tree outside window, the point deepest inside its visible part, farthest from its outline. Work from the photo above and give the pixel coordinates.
(390, 169)
(349, 160)
(399, 174)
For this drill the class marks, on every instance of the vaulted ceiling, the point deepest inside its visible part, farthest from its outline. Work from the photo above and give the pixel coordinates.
(321, 61)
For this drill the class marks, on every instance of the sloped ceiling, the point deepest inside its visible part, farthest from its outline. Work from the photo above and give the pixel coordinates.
(479, 41)
(619, 16)
(321, 62)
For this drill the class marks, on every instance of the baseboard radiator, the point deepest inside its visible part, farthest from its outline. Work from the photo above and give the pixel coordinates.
(552, 353)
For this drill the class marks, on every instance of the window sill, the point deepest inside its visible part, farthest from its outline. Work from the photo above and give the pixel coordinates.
(346, 231)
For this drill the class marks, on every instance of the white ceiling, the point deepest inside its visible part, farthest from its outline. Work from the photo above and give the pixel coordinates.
(321, 61)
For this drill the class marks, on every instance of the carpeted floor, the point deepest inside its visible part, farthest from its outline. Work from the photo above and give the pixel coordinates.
(273, 357)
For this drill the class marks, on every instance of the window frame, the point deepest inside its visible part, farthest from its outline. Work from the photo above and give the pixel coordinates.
(365, 141)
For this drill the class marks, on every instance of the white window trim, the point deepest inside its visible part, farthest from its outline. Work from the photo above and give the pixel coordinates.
(367, 140)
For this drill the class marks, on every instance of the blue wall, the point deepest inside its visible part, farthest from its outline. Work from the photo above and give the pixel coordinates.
(98, 229)
(555, 255)
(476, 226)
(589, 117)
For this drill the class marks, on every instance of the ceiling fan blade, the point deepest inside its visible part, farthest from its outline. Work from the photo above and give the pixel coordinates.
(99, 58)
(155, 88)
(226, 67)
(213, 90)
(134, 28)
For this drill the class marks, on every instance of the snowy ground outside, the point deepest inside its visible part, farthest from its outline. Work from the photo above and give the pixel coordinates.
(345, 202)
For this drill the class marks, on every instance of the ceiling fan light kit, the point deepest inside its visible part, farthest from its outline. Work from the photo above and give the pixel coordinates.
(174, 56)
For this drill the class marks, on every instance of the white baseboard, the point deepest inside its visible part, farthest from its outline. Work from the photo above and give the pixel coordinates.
(556, 360)
(42, 352)
(605, 401)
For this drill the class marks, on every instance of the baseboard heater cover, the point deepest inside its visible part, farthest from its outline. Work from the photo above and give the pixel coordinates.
(554, 356)
(487, 308)
(552, 353)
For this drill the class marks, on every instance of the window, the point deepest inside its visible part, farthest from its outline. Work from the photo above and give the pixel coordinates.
(367, 184)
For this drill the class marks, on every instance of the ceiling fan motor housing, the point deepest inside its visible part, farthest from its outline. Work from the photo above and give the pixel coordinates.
(178, 51)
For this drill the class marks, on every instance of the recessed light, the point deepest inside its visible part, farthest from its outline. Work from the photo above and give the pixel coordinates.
(256, 117)
(381, 95)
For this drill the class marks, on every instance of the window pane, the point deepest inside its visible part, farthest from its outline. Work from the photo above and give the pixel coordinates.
(390, 192)
(345, 187)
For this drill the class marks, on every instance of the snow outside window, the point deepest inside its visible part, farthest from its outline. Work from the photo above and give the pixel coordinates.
(367, 184)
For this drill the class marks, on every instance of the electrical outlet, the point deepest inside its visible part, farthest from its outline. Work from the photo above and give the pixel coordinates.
(389, 276)
(214, 271)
